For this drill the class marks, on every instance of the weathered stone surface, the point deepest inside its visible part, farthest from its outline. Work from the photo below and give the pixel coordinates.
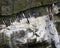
(21, 32)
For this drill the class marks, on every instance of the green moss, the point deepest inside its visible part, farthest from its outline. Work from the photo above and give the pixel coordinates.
(19, 5)
(43, 11)
(58, 27)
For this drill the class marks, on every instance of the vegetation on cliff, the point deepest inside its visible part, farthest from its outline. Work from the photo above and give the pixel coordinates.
(8, 7)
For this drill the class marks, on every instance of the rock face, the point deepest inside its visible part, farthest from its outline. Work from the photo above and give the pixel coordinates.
(29, 30)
